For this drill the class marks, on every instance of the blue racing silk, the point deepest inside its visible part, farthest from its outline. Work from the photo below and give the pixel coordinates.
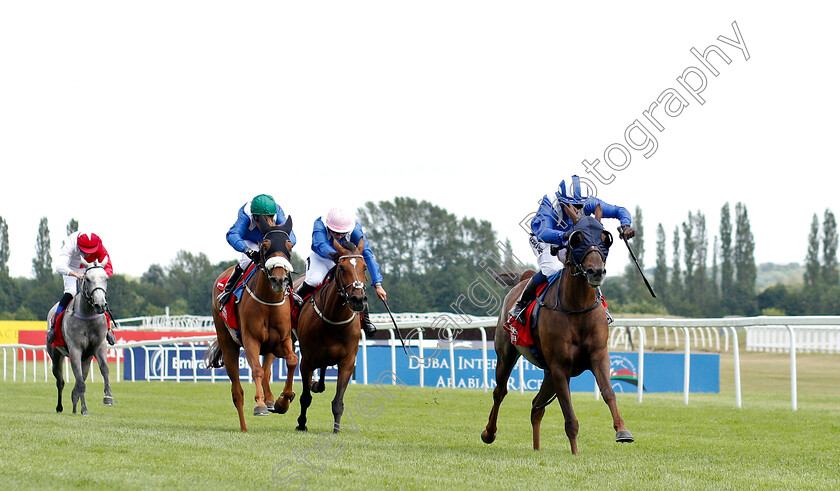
(322, 245)
(550, 224)
(245, 228)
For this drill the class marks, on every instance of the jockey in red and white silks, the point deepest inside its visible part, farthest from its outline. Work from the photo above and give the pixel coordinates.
(76, 250)
(76, 247)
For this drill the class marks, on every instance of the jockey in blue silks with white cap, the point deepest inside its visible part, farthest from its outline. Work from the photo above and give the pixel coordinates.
(548, 229)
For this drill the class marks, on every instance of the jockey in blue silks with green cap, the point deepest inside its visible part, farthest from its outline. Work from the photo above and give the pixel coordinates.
(245, 235)
(548, 228)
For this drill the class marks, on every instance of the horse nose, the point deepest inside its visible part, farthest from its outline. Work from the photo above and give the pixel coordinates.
(596, 272)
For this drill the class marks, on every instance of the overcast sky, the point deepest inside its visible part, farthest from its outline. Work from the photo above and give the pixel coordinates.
(152, 122)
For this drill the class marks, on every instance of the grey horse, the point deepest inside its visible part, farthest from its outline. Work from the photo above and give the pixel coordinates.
(84, 326)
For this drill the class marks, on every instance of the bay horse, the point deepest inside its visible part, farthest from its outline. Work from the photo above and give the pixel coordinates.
(264, 319)
(571, 333)
(84, 326)
(329, 329)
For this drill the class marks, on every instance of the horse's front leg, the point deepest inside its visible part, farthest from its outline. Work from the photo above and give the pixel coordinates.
(291, 365)
(102, 360)
(79, 373)
(268, 360)
(345, 370)
(58, 373)
(601, 370)
(306, 396)
(252, 354)
(560, 380)
(318, 387)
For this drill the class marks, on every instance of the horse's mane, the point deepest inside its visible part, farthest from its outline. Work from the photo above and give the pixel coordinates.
(512, 278)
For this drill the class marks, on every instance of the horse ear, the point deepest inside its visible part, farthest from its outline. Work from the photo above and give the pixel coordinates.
(598, 212)
(104, 262)
(360, 247)
(336, 245)
(571, 213)
(85, 263)
(287, 226)
(262, 223)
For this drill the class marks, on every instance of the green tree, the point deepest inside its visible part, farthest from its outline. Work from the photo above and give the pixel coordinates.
(829, 266)
(745, 270)
(690, 259)
(42, 263)
(637, 292)
(660, 274)
(812, 274)
(675, 296)
(4, 247)
(702, 295)
(72, 226)
(727, 265)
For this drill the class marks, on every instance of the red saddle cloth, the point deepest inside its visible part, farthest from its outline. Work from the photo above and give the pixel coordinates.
(296, 309)
(228, 310)
(520, 335)
(58, 340)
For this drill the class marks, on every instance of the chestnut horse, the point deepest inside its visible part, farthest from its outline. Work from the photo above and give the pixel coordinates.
(264, 318)
(329, 329)
(571, 333)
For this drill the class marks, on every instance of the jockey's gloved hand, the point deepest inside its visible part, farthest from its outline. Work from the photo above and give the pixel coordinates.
(253, 255)
(555, 249)
(627, 232)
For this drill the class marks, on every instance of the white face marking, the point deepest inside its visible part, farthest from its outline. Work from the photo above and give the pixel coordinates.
(353, 262)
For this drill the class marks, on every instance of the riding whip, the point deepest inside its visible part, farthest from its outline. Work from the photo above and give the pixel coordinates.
(633, 255)
(395, 326)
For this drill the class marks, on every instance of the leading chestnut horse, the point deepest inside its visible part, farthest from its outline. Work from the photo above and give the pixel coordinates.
(329, 329)
(264, 318)
(571, 333)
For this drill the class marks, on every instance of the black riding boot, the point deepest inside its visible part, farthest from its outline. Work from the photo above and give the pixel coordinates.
(367, 325)
(62, 305)
(528, 295)
(109, 336)
(303, 291)
(231, 283)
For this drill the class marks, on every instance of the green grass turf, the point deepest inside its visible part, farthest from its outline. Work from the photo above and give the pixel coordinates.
(170, 435)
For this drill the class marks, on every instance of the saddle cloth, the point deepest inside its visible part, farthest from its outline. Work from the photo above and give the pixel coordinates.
(58, 340)
(228, 310)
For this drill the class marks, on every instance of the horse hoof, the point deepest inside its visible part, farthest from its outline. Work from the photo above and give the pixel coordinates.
(269, 405)
(624, 436)
(487, 437)
(260, 411)
(302, 428)
(58, 409)
(108, 401)
(291, 397)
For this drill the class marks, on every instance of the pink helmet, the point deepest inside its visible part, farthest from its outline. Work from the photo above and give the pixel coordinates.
(340, 222)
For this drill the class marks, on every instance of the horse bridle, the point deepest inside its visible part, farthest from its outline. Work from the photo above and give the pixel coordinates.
(342, 293)
(261, 265)
(577, 267)
(88, 294)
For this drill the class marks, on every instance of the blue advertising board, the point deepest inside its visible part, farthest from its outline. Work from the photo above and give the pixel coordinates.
(664, 372)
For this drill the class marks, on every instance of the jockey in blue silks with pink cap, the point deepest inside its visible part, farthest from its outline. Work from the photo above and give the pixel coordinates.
(340, 226)
(548, 228)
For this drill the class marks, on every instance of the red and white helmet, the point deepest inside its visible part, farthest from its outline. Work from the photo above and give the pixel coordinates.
(89, 243)
(340, 222)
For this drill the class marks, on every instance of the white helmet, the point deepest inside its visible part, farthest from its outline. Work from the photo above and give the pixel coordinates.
(340, 222)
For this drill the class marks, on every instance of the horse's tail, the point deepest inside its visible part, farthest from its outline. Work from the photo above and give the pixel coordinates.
(213, 356)
(512, 278)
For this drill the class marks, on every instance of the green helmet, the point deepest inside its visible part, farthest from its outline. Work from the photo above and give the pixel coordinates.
(263, 205)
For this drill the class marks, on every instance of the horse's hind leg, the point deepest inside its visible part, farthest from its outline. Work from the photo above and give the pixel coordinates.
(319, 386)
(601, 370)
(506, 355)
(306, 396)
(58, 373)
(538, 405)
(102, 360)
